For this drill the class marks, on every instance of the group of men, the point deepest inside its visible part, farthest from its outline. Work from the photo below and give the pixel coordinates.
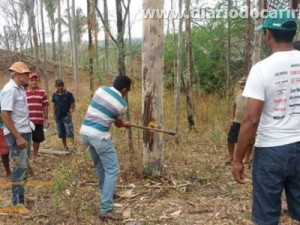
(24, 115)
(24, 112)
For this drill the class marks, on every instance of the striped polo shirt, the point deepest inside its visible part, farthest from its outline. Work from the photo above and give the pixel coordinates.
(106, 106)
(36, 102)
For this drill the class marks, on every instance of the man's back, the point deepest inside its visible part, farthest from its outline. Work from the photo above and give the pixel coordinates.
(276, 82)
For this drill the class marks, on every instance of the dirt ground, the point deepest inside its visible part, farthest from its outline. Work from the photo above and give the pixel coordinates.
(184, 196)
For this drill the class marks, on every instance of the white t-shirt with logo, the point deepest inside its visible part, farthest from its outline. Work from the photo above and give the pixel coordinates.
(276, 81)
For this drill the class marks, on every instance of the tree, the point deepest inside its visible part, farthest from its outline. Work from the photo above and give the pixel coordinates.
(246, 61)
(189, 64)
(152, 87)
(13, 14)
(60, 50)
(44, 49)
(51, 6)
(91, 28)
(29, 9)
(178, 70)
(260, 5)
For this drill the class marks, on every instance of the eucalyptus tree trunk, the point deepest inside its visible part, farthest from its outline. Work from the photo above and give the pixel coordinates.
(70, 34)
(189, 63)
(178, 71)
(29, 8)
(106, 35)
(152, 88)
(260, 5)
(129, 42)
(174, 45)
(121, 44)
(91, 45)
(247, 45)
(46, 80)
(228, 73)
(75, 68)
(60, 50)
(51, 6)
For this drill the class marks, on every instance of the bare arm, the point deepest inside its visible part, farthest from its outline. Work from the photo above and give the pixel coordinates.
(6, 118)
(246, 136)
(72, 108)
(122, 123)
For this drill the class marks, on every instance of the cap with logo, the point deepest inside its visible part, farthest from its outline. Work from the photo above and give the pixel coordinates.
(279, 19)
(19, 67)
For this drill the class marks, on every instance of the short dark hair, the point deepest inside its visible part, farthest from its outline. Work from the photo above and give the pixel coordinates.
(285, 36)
(122, 81)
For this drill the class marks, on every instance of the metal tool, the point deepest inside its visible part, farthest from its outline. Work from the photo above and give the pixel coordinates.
(170, 132)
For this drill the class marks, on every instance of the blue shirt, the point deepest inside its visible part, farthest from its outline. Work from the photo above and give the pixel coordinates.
(62, 104)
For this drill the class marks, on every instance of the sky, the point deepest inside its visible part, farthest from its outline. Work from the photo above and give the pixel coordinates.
(136, 15)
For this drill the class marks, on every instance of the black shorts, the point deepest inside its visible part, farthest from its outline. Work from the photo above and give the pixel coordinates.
(233, 133)
(38, 133)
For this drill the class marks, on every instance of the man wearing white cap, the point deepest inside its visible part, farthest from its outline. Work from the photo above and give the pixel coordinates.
(17, 129)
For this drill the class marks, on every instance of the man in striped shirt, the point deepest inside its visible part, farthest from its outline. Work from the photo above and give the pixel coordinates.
(106, 107)
(38, 111)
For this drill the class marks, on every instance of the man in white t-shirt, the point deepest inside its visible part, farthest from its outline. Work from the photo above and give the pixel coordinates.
(273, 113)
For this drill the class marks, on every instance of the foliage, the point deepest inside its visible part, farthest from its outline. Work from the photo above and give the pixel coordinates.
(209, 40)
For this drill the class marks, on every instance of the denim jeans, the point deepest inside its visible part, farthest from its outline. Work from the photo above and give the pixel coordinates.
(275, 169)
(18, 162)
(107, 166)
(64, 127)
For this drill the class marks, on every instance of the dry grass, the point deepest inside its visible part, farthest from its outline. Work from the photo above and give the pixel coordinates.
(196, 189)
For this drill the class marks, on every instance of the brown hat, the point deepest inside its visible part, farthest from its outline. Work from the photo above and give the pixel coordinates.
(32, 74)
(243, 80)
(19, 67)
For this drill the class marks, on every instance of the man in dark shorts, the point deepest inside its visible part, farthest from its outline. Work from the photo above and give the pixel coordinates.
(63, 107)
(237, 111)
(38, 111)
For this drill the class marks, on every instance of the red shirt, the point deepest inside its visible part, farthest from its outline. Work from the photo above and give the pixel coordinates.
(36, 102)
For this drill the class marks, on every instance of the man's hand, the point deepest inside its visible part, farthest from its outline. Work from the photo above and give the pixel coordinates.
(126, 124)
(238, 171)
(22, 144)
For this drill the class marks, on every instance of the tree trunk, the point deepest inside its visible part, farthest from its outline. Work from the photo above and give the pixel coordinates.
(257, 35)
(174, 46)
(106, 35)
(75, 68)
(60, 50)
(246, 61)
(228, 73)
(179, 70)
(70, 35)
(46, 80)
(189, 64)
(120, 44)
(152, 88)
(91, 46)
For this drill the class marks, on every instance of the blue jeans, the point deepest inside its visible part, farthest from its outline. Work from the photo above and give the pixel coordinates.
(18, 161)
(275, 169)
(64, 127)
(106, 161)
